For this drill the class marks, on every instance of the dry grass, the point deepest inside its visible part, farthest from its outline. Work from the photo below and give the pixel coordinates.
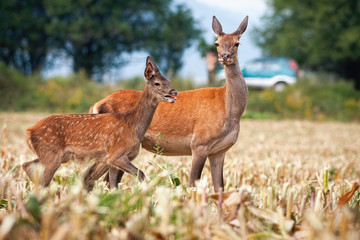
(283, 181)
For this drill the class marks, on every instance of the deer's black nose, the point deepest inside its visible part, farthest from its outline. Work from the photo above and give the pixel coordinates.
(173, 92)
(225, 56)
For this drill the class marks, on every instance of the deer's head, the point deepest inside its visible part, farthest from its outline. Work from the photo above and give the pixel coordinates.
(227, 44)
(158, 84)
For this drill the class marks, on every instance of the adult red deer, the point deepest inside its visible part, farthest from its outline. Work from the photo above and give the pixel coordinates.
(112, 139)
(203, 122)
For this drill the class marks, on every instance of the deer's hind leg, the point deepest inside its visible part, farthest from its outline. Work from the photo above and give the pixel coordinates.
(51, 161)
(29, 168)
(216, 168)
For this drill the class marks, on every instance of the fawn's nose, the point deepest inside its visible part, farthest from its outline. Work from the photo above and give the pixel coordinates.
(173, 92)
(225, 56)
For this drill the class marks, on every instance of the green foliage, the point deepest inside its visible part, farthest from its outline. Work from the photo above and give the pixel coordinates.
(204, 47)
(24, 42)
(313, 99)
(138, 83)
(74, 93)
(94, 34)
(172, 33)
(33, 206)
(15, 89)
(58, 94)
(307, 100)
(69, 94)
(182, 84)
(3, 203)
(317, 34)
(121, 205)
(157, 146)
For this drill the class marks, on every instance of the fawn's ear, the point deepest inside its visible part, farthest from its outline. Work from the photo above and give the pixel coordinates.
(241, 29)
(151, 61)
(216, 26)
(149, 70)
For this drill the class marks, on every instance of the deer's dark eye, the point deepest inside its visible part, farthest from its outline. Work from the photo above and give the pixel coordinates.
(157, 84)
(236, 44)
(216, 44)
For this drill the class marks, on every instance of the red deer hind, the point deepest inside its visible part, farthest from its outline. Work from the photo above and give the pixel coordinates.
(112, 139)
(203, 123)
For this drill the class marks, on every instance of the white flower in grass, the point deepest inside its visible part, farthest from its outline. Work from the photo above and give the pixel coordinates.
(92, 201)
(202, 183)
(6, 225)
(76, 189)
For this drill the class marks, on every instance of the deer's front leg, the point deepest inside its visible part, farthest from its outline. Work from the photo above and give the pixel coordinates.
(199, 156)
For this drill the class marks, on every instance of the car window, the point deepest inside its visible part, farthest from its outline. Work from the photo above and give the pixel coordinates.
(254, 66)
(272, 66)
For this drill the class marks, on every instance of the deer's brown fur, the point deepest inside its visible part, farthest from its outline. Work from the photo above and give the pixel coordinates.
(203, 122)
(111, 139)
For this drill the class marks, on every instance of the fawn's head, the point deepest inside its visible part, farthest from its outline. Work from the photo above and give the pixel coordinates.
(227, 44)
(158, 84)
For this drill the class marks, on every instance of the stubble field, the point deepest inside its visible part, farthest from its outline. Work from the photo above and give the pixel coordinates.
(283, 180)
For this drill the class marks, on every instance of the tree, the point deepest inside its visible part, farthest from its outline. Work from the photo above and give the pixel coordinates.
(24, 41)
(170, 35)
(93, 33)
(96, 33)
(320, 35)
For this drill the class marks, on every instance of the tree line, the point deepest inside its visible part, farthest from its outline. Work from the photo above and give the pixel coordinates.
(93, 33)
(322, 35)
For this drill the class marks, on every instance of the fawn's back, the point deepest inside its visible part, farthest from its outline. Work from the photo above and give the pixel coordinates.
(80, 134)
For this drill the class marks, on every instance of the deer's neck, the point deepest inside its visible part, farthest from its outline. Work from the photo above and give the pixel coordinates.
(143, 112)
(236, 92)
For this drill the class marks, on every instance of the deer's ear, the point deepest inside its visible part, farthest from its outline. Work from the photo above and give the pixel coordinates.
(151, 61)
(241, 29)
(216, 26)
(149, 72)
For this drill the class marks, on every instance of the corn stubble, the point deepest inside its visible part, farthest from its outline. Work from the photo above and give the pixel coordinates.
(284, 180)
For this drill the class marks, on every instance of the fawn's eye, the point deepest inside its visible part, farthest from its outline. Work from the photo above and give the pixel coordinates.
(157, 84)
(236, 44)
(216, 44)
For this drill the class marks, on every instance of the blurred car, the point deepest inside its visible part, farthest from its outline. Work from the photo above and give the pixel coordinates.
(270, 72)
(274, 73)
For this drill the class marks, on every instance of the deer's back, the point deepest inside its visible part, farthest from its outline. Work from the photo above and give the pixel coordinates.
(205, 106)
(87, 132)
(199, 112)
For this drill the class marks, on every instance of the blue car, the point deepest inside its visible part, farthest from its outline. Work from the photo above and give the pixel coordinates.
(270, 72)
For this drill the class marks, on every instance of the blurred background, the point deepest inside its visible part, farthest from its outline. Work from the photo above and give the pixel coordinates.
(301, 59)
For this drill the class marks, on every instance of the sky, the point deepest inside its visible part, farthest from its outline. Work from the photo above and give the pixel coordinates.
(230, 13)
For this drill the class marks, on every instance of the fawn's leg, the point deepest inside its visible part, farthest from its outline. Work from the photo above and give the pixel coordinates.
(94, 173)
(29, 168)
(114, 177)
(216, 168)
(50, 161)
(123, 163)
(49, 171)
